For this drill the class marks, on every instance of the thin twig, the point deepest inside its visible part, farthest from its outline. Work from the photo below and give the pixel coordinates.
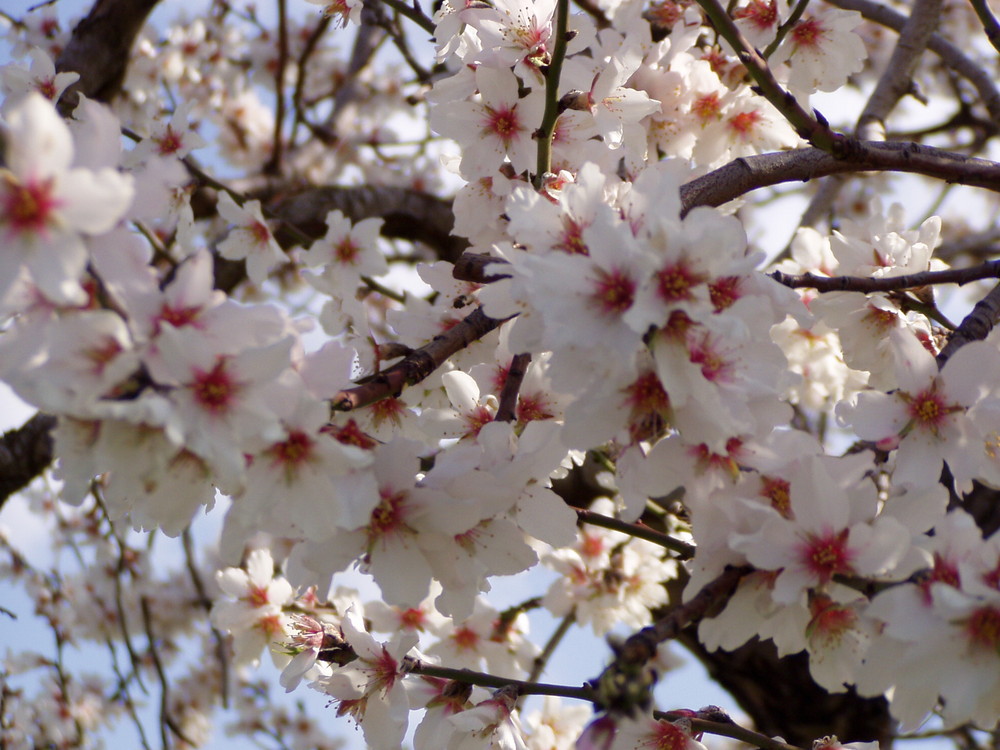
(727, 729)
(988, 270)
(273, 165)
(418, 364)
(302, 68)
(524, 687)
(785, 27)
(897, 78)
(414, 14)
(684, 550)
(951, 55)
(538, 665)
(619, 686)
(989, 22)
(813, 128)
(221, 649)
(507, 407)
(166, 720)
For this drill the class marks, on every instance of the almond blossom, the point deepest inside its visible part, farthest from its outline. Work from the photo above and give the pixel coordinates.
(370, 688)
(927, 419)
(254, 616)
(251, 239)
(47, 206)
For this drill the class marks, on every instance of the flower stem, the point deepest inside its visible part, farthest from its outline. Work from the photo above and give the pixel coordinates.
(552, 75)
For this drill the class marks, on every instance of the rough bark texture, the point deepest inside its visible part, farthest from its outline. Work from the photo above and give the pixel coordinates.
(784, 701)
(100, 47)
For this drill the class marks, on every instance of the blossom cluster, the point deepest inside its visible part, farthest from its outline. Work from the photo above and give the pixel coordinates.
(195, 340)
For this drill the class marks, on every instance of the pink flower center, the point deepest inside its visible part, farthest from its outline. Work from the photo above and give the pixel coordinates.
(591, 546)
(388, 517)
(744, 124)
(826, 554)
(674, 282)
(215, 390)
(465, 639)
(351, 434)
(347, 252)
(927, 410)
(387, 410)
(830, 622)
(384, 671)
(944, 571)
(724, 292)
(476, 420)
(28, 206)
(170, 143)
(707, 107)
(613, 291)
(667, 736)
(983, 629)
(103, 354)
(503, 123)
(295, 450)
(666, 13)
(646, 394)
(261, 234)
(713, 365)
(533, 407)
(257, 596)
(761, 14)
(178, 317)
(778, 492)
(879, 319)
(412, 619)
(808, 33)
(572, 238)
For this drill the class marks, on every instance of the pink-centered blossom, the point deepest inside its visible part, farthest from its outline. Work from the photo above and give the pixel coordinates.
(48, 206)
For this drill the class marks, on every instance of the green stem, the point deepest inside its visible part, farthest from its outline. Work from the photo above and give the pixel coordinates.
(785, 28)
(552, 75)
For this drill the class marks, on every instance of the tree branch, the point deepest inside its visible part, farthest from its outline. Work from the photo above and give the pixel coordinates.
(897, 78)
(418, 364)
(24, 454)
(741, 176)
(976, 326)
(409, 214)
(988, 270)
(99, 49)
(950, 55)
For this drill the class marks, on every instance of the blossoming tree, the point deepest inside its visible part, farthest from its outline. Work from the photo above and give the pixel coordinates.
(442, 293)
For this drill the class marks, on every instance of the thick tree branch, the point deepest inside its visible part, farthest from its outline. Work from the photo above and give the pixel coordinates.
(24, 454)
(99, 49)
(741, 176)
(626, 684)
(409, 214)
(976, 326)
